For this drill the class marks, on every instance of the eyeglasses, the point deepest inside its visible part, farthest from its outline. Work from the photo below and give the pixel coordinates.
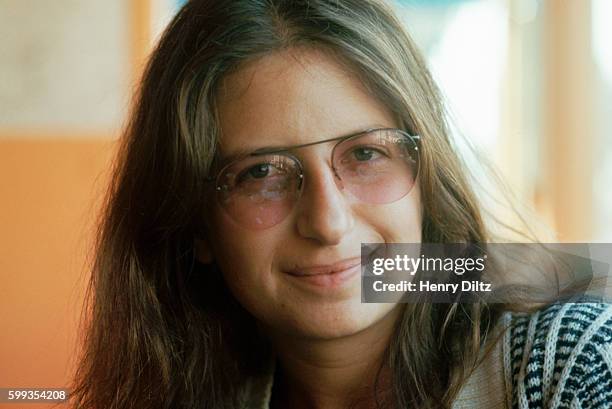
(259, 190)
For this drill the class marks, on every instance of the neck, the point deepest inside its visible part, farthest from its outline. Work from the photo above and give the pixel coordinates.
(334, 373)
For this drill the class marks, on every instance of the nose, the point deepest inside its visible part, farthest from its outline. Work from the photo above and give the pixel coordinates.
(324, 214)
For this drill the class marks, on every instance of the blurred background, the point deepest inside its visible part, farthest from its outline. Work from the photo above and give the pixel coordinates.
(528, 83)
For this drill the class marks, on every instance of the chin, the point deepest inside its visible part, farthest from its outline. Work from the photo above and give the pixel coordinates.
(337, 320)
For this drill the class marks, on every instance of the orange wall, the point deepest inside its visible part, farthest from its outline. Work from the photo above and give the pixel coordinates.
(51, 186)
(49, 192)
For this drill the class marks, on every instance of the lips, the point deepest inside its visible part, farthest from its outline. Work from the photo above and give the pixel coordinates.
(328, 275)
(326, 269)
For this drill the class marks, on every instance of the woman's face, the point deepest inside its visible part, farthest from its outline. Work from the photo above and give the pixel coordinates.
(281, 274)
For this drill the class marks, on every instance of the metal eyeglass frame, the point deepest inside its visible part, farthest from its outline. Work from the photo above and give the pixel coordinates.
(286, 151)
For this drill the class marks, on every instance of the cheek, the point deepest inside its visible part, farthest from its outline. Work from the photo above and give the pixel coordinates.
(246, 259)
(398, 222)
(246, 271)
(242, 256)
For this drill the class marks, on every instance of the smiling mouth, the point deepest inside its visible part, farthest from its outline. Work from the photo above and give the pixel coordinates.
(331, 275)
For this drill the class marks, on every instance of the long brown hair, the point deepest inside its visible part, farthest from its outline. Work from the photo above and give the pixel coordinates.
(163, 331)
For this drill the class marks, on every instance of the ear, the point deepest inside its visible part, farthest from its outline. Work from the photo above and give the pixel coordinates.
(203, 251)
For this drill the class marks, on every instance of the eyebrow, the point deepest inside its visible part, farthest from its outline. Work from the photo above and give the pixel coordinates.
(284, 148)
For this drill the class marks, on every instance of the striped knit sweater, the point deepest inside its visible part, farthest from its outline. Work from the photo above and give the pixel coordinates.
(558, 357)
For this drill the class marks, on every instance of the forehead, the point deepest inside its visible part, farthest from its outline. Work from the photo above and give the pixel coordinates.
(293, 97)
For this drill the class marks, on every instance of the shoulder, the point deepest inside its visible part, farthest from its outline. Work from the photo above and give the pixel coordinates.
(560, 356)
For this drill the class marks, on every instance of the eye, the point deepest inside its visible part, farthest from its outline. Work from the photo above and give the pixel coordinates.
(259, 171)
(264, 171)
(364, 154)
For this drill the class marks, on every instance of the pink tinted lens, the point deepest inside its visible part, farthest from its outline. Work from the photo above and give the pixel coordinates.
(377, 167)
(259, 216)
(259, 191)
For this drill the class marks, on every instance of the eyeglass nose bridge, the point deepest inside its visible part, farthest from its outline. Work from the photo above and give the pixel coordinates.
(301, 172)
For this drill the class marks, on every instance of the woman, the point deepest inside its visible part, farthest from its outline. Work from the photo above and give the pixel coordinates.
(227, 267)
